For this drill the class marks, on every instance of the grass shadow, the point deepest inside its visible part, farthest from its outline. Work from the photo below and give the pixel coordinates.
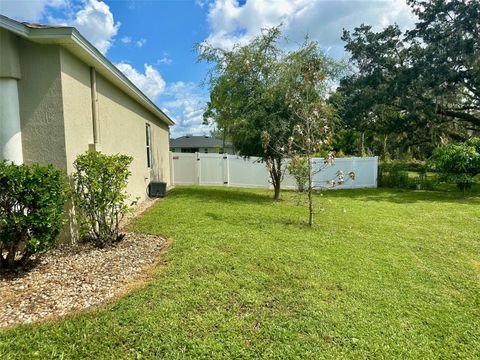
(224, 195)
(400, 196)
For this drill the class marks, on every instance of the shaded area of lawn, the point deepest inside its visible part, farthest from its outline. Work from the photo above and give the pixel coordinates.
(383, 274)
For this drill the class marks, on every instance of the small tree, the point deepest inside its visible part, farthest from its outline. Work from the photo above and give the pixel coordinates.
(99, 197)
(32, 200)
(459, 162)
(310, 73)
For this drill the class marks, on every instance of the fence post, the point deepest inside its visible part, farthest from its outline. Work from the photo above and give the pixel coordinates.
(354, 169)
(375, 161)
(197, 168)
(172, 170)
(226, 169)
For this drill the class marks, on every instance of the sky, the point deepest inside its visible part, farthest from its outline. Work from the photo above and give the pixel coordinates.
(152, 41)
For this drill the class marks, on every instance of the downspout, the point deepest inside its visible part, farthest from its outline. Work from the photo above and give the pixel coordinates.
(10, 126)
(95, 122)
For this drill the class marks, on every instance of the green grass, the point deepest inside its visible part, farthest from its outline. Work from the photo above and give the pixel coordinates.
(384, 274)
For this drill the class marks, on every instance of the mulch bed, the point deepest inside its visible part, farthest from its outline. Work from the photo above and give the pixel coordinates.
(76, 277)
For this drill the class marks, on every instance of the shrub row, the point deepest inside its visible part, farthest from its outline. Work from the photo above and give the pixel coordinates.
(33, 198)
(457, 164)
(405, 176)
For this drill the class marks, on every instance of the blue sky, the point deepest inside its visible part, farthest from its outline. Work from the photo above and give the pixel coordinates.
(152, 41)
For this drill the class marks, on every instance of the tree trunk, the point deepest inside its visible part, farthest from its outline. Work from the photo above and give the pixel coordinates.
(310, 197)
(276, 175)
(361, 147)
(276, 196)
(12, 251)
(386, 155)
(25, 257)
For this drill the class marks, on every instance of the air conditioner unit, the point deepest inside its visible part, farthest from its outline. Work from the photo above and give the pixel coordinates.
(157, 189)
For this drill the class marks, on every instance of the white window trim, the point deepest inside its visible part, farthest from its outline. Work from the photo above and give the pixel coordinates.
(148, 143)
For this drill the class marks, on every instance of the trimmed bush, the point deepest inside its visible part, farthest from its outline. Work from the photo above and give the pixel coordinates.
(99, 195)
(32, 200)
(458, 162)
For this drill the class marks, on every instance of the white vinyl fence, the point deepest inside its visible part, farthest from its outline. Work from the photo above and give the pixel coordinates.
(233, 170)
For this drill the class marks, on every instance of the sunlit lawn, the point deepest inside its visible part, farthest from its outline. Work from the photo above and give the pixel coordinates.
(384, 274)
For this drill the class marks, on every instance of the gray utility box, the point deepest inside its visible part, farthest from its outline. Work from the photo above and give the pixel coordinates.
(157, 189)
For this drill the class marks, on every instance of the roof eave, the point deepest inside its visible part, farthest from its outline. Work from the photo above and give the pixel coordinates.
(71, 36)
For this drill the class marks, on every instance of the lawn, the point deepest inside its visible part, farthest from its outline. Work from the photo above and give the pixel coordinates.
(384, 274)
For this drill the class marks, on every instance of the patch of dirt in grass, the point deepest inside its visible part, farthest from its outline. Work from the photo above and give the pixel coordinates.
(76, 277)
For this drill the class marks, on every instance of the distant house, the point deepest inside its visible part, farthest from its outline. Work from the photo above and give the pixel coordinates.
(59, 97)
(203, 144)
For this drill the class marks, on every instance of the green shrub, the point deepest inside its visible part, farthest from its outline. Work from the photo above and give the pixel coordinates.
(32, 200)
(298, 167)
(475, 142)
(405, 175)
(392, 176)
(458, 162)
(99, 195)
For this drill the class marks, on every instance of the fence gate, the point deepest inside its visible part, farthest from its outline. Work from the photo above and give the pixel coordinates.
(212, 169)
(184, 169)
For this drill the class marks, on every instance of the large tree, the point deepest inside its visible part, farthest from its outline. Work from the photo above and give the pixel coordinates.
(249, 88)
(424, 82)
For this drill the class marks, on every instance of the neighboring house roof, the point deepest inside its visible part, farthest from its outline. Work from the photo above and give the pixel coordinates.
(71, 39)
(190, 141)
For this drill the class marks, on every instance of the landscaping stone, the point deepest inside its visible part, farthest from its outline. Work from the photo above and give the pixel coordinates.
(75, 277)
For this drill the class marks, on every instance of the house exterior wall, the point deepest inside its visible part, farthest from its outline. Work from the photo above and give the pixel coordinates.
(41, 104)
(121, 126)
(77, 107)
(9, 64)
(10, 124)
(56, 119)
(56, 115)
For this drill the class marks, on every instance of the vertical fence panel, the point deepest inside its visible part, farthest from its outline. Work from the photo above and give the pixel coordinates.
(321, 179)
(367, 172)
(184, 168)
(211, 169)
(248, 172)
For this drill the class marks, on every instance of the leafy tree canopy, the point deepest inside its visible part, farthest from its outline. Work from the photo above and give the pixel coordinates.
(423, 84)
(249, 90)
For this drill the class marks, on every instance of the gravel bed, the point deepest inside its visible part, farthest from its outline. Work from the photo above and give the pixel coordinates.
(76, 277)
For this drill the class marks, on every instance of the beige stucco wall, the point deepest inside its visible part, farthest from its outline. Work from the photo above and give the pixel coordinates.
(41, 105)
(77, 107)
(122, 130)
(9, 59)
(121, 123)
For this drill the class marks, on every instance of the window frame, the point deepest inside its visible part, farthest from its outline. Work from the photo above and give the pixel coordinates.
(148, 145)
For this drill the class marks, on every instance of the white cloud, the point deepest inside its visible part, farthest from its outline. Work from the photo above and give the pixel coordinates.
(186, 104)
(29, 10)
(201, 3)
(165, 59)
(95, 21)
(127, 40)
(150, 82)
(140, 43)
(233, 22)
